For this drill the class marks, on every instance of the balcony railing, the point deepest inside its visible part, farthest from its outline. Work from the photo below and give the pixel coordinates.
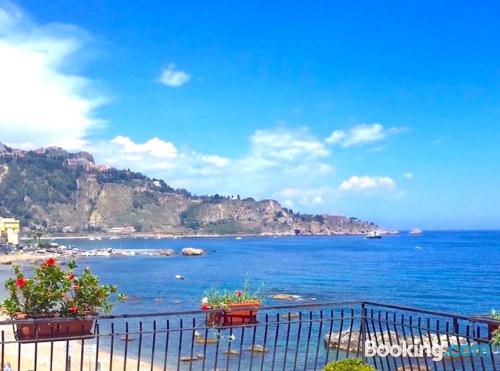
(289, 337)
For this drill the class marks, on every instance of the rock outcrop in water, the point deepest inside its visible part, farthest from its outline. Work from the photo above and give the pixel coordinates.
(67, 192)
(190, 251)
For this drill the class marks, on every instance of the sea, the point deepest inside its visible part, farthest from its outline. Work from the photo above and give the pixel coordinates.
(449, 271)
(452, 271)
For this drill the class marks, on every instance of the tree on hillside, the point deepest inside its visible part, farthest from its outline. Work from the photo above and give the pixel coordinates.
(37, 234)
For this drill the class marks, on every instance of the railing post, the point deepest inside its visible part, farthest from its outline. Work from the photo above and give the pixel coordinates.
(455, 325)
(362, 331)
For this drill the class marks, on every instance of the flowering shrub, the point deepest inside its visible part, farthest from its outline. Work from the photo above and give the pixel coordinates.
(216, 299)
(53, 290)
(350, 364)
(495, 341)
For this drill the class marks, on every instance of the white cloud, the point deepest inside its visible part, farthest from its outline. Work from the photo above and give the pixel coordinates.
(368, 184)
(317, 200)
(361, 134)
(172, 77)
(336, 136)
(41, 102)
(217, 161)
(154, 147)
(286, 145)
(307, 198)
(274, 157)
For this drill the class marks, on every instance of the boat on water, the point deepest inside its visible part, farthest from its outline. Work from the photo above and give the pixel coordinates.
(415, 231)
(373, 235)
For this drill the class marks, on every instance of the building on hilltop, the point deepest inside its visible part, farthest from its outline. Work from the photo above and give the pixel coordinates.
(18, 152)
(103, 168)
(84, 163)
(9, 231)
(40, 151)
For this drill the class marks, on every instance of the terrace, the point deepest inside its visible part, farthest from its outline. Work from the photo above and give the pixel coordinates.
(291, 337)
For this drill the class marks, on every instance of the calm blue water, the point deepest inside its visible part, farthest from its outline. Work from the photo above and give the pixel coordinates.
(446, 271)
(449, 271)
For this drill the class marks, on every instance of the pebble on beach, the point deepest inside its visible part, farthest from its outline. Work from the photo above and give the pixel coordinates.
(290, 315)
(257, 348)
(231, 352)
(203, 340)
(289, 297)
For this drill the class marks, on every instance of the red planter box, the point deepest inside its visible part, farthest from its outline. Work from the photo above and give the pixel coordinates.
(236, 314)
(53, 328)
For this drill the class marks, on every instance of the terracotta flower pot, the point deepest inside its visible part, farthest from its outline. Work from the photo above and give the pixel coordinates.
(236, 314)
(55, 327)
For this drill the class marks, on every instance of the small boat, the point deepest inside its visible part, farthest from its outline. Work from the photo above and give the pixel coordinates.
(238, 238)
(415, 231)
(373, 234)
(179, 277)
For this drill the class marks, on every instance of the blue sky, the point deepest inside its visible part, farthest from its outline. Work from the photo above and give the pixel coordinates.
(387, 111)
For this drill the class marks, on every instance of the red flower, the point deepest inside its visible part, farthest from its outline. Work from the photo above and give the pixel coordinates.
(20, 282)
(76, 287)
(71, 277)
(238, 293)
(205, 307)
(73, 309)
(50, 262)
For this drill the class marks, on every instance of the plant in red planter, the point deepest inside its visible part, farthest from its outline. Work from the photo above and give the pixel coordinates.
(68, 301)
(226, 308)
(494, 328)
(495, 337)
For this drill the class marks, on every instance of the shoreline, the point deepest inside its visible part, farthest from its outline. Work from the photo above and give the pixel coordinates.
(90, 236)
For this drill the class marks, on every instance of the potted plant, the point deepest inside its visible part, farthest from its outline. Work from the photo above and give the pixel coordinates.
(226, 308)
(495, 337)
(349, 364)
(493, 325)
(66, 300)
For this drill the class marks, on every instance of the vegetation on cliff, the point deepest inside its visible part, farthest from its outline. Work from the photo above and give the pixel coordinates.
(60, 191)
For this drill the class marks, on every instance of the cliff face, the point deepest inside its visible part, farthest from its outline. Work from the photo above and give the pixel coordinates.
(67, 192)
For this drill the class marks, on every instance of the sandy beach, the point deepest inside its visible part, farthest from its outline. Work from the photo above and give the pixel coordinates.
(43, 355)
(21, 258)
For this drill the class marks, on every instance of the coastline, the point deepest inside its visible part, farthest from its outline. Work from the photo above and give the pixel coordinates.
(21, 258)
(88, 236)
(33, 255)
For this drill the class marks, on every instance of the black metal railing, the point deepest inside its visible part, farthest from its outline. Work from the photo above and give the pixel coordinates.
(288, 337)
